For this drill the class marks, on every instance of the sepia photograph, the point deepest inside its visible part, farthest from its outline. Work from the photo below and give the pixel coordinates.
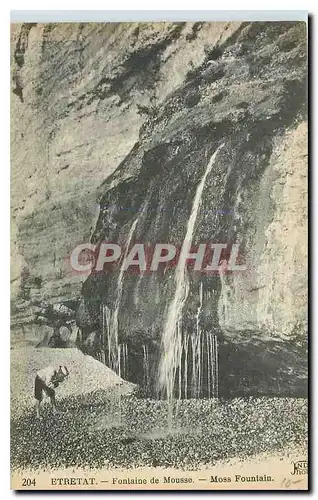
(159, 237)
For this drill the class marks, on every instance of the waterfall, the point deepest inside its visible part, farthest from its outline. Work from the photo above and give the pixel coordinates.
(171, 341)
(212, 365)
(197, 365)
(123, 361)
(136, 292)
(209, 364)
(180, 351)
(105, 317)
(113, 328)
(146, 366)
(200, 306)
(224, 301)
(196, 350)
(186, 347)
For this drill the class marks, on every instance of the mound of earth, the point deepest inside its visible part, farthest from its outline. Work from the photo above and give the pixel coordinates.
(87, 375)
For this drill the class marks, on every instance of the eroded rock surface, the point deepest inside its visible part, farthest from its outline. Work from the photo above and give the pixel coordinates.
(115, 122)
(80, 95)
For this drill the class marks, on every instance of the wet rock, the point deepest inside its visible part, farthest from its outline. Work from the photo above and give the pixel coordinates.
(165, 102)
(254, 102)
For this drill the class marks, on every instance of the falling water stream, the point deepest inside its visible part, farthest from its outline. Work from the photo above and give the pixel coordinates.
(224, 302)
(117, 353)
(113, 326)
(123, 360)
(105, 318)
(172, 340)
(146, 367)
(188, 366)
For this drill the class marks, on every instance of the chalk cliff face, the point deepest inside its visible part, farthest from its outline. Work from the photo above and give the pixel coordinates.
(112, 129)
(80, 95)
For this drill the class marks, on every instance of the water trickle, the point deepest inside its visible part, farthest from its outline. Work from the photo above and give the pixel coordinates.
(197, 366)
(113, 327)
(136, 292)
(172, 336)
(146, 367)
(224, 301)
(105, 340)
(180, 350)
(186, 347)
(196, 349)
(123, 361)
(212, 365)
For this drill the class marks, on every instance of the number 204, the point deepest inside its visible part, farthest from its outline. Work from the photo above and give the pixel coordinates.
(28, 482)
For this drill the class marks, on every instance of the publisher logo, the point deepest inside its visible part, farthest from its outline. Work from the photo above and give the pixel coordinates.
(300, 467)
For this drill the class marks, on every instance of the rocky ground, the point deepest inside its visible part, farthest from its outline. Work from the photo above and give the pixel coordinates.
(102, 422)
(102, 431)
